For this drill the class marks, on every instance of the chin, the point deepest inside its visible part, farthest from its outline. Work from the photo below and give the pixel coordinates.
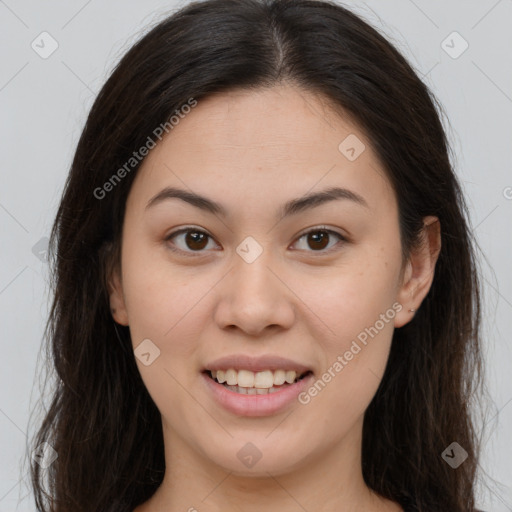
(256, 458)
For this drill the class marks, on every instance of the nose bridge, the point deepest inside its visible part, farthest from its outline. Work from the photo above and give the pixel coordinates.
(252, 268)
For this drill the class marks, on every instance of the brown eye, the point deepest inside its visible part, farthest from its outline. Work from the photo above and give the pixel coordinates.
(196, 240)
(191, 240)
(318, 239)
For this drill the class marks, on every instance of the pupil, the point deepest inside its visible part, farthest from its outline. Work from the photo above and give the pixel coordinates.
(191, 239)
(314, 237)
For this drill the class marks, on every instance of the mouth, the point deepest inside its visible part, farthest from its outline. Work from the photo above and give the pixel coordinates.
(246, 382)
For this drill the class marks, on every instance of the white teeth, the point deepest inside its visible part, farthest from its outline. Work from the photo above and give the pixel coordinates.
(252, 391)
(279, 377)
(245, 378)
(263, 379)
(231, 379)
(290, 376)
(266, 379)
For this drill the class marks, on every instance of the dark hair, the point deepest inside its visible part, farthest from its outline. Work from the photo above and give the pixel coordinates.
(101, 421)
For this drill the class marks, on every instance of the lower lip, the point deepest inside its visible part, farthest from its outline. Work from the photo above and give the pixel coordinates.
(256, 405)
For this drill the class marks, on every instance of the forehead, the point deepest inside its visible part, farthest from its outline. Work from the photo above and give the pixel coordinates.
(277, 118)
(266, 145)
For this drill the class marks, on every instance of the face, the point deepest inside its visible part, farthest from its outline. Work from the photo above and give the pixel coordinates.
(322, 287)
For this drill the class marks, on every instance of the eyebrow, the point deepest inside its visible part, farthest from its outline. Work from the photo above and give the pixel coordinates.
(291, 207)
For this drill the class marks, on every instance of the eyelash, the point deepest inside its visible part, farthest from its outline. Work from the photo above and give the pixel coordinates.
(200, 253)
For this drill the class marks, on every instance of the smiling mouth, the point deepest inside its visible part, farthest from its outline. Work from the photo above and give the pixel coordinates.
(246, 382)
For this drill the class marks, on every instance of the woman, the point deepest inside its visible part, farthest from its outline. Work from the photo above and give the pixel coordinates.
(266, 295)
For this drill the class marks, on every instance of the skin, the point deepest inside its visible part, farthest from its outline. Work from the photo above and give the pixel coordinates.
(252, 152)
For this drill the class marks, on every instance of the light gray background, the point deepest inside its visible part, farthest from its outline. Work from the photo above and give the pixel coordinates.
(44, 103)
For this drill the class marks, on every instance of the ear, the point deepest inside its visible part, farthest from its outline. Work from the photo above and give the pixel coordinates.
(117, 302)
(419, 271)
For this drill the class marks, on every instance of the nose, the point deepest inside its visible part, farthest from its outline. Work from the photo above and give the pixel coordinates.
(253, 297)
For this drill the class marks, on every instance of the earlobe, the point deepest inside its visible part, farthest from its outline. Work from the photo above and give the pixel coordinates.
(419, 273)
(117, 302)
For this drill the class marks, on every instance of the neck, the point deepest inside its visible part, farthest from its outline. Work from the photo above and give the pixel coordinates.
(326, 481)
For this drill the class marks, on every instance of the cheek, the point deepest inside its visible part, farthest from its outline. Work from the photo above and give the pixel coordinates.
(162, 305)
(168, 311)
(354, 349)
(367, 324)
(356, 304)
(352, 297)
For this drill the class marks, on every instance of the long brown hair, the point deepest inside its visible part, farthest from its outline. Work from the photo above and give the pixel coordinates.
(102, 422)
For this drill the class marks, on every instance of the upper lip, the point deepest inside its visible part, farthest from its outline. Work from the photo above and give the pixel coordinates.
(256, 364)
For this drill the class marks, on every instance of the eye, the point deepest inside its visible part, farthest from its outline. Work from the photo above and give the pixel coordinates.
(196, 240)
(318, 239)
